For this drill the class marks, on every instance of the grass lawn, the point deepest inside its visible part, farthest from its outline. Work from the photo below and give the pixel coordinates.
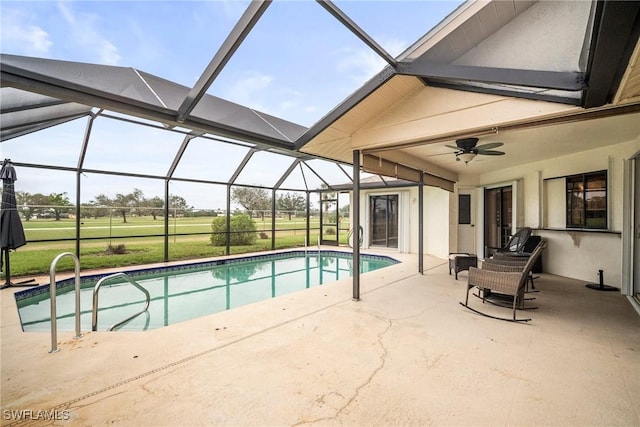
(35, 257)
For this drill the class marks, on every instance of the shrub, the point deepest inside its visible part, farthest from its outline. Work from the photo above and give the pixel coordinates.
(263, 235)
(243, 231)
(330, 231)
(116, 250)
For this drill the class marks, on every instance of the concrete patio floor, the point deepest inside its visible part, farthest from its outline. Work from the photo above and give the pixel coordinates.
(405, 354)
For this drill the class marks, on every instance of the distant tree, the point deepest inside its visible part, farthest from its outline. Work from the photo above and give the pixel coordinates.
(32, 204)
(137, 201)
(103, 205)
(23, 200)
(252, 199)
(155, 205)
(177, 205)
(122, 204)
(290, 202)
(59, 202)
(92, 209)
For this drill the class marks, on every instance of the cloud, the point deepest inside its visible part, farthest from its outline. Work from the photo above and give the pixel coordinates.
(358, 64)
(253, 84)
(22, 37)
(83, 34)
(251, 90)
(363, 63)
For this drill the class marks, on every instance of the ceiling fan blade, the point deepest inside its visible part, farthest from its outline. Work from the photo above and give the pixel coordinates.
(489, 146)
(453, 147)
(490, 152)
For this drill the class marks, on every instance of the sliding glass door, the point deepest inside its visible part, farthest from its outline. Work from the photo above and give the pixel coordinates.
(498, 217)
(384, 221)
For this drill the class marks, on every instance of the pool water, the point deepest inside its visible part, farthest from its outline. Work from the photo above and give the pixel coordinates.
(188, 291)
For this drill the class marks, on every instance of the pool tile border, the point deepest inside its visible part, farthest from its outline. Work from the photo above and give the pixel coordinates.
(92, 278)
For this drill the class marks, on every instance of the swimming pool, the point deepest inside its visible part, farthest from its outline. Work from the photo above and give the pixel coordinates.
(184, 292)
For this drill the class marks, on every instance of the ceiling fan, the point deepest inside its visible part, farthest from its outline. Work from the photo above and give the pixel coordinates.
(466, 149)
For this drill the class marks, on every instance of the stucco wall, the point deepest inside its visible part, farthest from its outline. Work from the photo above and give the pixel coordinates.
(573, 254)
(435, 220)
(436, 230)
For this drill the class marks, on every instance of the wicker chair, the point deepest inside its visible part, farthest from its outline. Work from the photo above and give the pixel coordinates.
(515, 245)
(507, 280)
(508, 263)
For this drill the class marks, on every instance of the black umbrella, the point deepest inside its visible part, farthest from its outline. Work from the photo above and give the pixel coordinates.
(11, 231)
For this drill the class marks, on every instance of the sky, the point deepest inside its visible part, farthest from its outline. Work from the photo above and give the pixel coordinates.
(297, 63)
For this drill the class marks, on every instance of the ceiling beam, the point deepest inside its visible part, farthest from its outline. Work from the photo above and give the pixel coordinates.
(570, 81)
(541, 95)
(615, 35)
(231, 44)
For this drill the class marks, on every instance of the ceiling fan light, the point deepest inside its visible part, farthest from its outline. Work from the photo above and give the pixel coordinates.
(466, 157)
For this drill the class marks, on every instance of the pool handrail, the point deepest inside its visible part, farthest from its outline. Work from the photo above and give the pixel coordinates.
(96, 289)
(52, 292)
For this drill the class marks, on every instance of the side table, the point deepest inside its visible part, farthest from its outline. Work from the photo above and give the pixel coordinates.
(461, 261)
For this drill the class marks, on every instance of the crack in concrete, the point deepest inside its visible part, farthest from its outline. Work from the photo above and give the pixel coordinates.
(383, 360)
(184, 360)
(160, 370)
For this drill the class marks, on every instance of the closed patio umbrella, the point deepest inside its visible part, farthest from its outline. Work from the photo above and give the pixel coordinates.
(11, 231)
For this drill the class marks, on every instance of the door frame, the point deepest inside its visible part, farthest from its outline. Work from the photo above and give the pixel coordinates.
(370, 205)
(329, 197)
(517, 209)
(503, 232)
(631, 230)
(466, 234)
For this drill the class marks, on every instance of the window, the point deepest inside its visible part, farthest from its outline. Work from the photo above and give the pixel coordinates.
(464, 209)
(587, 200)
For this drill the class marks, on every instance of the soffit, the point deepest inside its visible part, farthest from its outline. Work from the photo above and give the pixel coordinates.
(335, 141)
(434, 113)
(629, 90)
(532, 35)
(465, 28)
(518, 37)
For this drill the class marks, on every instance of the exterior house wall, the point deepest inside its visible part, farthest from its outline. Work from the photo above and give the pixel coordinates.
(435, 219)
(574, 254)
(436, 229)
(405, 220)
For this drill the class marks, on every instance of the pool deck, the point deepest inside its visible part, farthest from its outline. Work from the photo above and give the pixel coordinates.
(405, 354)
